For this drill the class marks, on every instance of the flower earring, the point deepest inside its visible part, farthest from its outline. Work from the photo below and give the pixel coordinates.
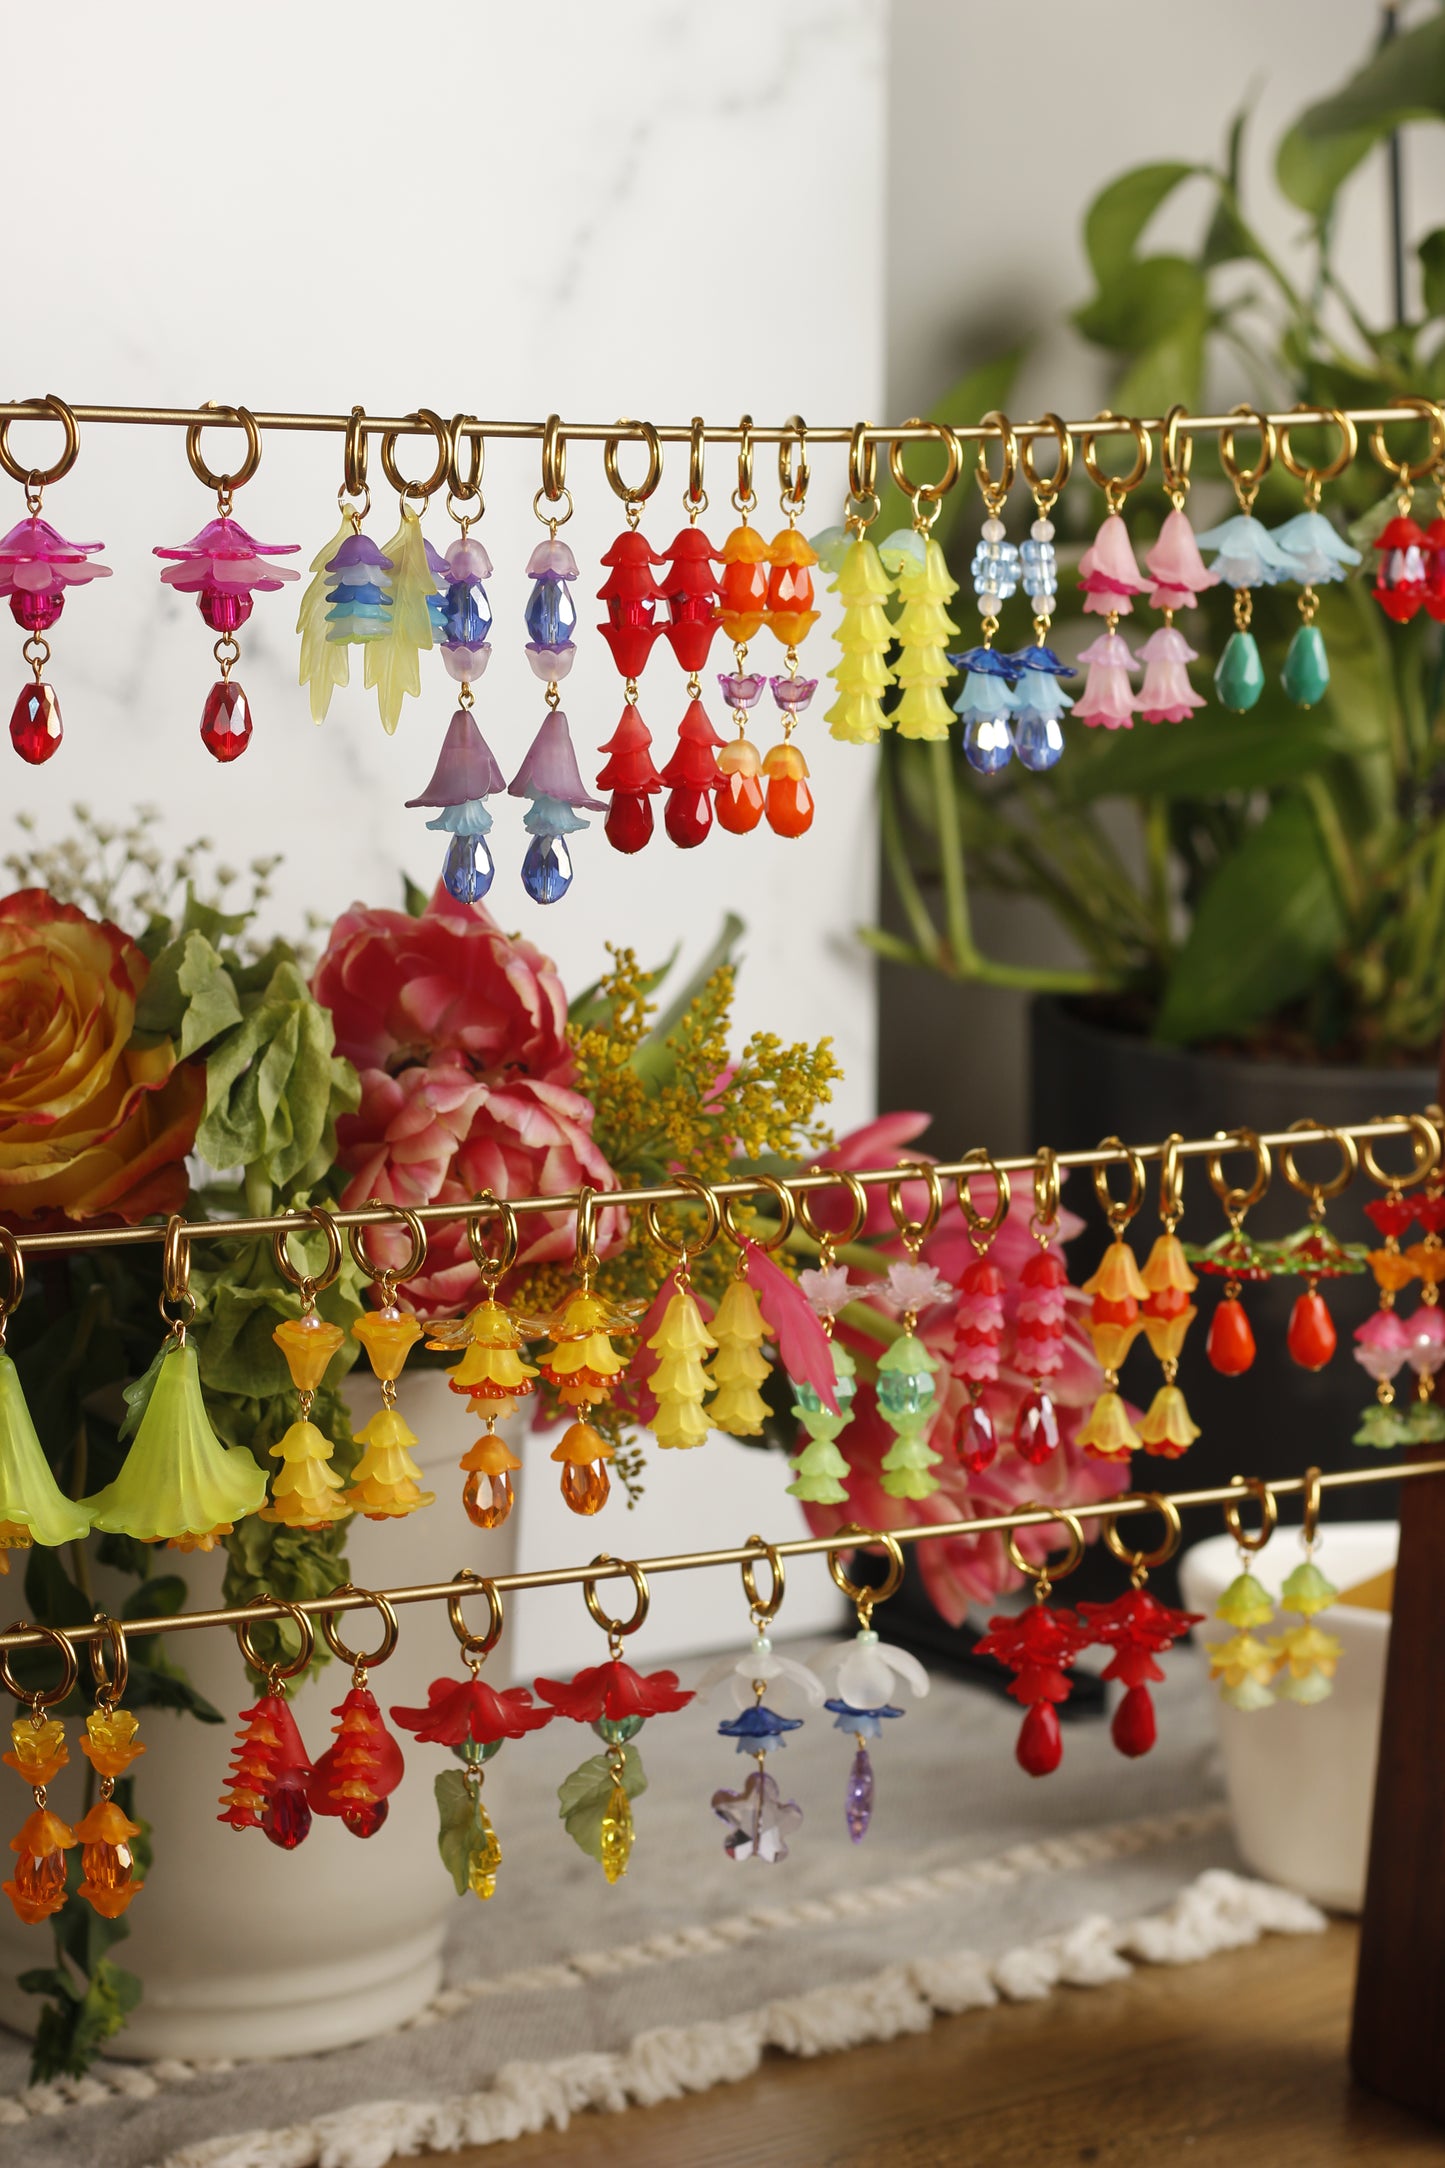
(37, 565)
(1039, 1645)
(1043, 1308)
(107, 1863)
(355, 1777)
(1317, 553)
(33, 1508)
(491, 1374)
(466, 773)
(1233, 1257)
(867, 1673)
(584, 1368)
(596, 1799)
(306, 1490)
(758, 1820)
(819, 1467)
(388, 1333)
(677, 1381)
(1114, 1322)
(1246, 556)
(348, 599)
(178, 1484)
(474, 1720)
(1039, 700)
(266, 1784)
(1110, 579)
(225, 569)
(1179, 575)
(1314, 1254)
(978, 1341)
(1406, 574)
(1306, 1657)
(1136, 1628)
(864, 633)
(37, 1753)
(790, 617)
(907, 1396)
(925, 587)
(1166, 1315)
(1383, 1344)
(414, 621)
(986, 703)
(1242, 1665)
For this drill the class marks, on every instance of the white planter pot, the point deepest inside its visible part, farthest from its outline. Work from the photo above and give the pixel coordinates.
(246, 1950)
(1301, 1780)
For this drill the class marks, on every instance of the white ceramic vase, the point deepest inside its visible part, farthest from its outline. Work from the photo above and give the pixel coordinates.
(249, 1951)
(1301, 1780)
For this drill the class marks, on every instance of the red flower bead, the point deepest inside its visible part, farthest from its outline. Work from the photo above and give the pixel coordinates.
(460, 1709)
(614, 1690)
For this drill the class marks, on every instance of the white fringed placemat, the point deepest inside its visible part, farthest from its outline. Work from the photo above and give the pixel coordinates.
(975, 1884)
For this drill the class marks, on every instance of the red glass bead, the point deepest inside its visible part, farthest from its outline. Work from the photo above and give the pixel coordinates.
(790, 805)
(743, 589)
(35, 727)
(688, 815)
(1230, 1346)
(1392, 1214)
(225, 608)
(1040, 1746)
(1135, 1727)
(1311, 1337)
(976, 1439)
(739, 803)
(286, 1817)
(36, 613)
(1036, 1432)
(365, 1816)
(790, 589)
(226, 721)
(628, 826)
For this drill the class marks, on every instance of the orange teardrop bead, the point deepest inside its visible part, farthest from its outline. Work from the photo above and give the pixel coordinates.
(488, 1499)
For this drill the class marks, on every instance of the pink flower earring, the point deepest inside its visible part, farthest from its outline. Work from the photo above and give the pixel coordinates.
(37, 564)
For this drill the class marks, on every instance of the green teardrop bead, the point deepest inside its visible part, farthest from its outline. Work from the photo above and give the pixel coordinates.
(1306, 672)
(1239, 675)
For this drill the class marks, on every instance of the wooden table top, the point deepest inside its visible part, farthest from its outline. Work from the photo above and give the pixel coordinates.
(1237, 2060)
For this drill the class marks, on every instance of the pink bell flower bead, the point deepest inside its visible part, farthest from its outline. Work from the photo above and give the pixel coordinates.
(1108, 700)
(1179, 572)
(1166, 695)
(1382, 1344)
(1109, 571)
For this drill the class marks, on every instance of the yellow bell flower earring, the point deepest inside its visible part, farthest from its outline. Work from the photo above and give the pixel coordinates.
(677, 1381)
(491, 1375)
(306, 1490)
(584, 1368)
(178, 1484)
(1115, 1317)
(388, 1333)
(33, 1508)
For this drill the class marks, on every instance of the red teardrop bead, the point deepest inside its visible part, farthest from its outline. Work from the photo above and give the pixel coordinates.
(790, 805)
(35, 728)
(1041, 1744)
(688, 816)
(365, 1816)
(976, 1442)
(226, 721)
(286, 1819)
(1311, 1337)
(1230, 1346)
(1036, 1432)
(628, 826)
(1134, 1729)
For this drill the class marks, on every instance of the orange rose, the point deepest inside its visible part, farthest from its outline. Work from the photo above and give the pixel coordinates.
(90, 1126)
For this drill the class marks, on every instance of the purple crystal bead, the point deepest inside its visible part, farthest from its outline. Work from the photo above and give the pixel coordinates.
(741, 692)
(758, 1819)
(858, 1800)
(792, 694)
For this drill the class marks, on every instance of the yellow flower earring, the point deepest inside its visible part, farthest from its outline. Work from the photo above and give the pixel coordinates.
(33, 1508)
(491, 1375)
(678, 1381)
(1243, 1665)
(306, 1490)
(388, 1333)
(1114, 1321)
(583, 1367)
(38, 1753)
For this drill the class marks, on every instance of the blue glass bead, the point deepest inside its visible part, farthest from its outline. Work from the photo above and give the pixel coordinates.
(551, 614)
(468, 869)
(1038, 739)
(987, 745)
(995, 569)
(546, 869)
(1040, 568)
(466, 613)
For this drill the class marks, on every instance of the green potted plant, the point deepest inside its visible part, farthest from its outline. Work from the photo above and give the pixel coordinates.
(1252, 907)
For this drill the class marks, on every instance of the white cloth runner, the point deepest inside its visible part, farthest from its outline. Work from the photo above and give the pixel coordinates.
(974, 1884)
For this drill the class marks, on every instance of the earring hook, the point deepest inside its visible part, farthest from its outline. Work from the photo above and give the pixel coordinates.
(865, 1596)
(1255, 1487)
(475, 1647)
(763, 1610)
(493, 1270)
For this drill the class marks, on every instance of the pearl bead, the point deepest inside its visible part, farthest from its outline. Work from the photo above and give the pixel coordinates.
(994, 530)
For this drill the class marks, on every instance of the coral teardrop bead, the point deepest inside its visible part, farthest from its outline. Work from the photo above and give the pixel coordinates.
(1230, 1346)
(1135, 1728)
(1041, 1744)
(1311, 1339)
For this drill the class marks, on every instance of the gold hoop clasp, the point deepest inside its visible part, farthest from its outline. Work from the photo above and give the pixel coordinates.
(863, 1595)
(793, 468)
(1424, 1153)
(1236, 1202)
(418, 492)
(981, 1228)
(1047, 487)
(475, 1647)
(361, 1664)
(926, 496)
(1141, 1563)
(678, 1246)
(41, 1697)
(775, 1237)
(828, 1239)
(1116, 487)
(1255, 1487)
(225, 485)
(387, 1276)
(1404, 472)
(109, 1685)
(633, 495)
(36, 479)
(1313, 477)
(617, 1629)
(1176, 455)
(1119, 1213)
(763, 1610)
(275, 1673)
(994, 492)
(1246, 480)
(1317, 1192)
(14, 1258)
(1043, 1575)
(493, 1270)
(308, 1286)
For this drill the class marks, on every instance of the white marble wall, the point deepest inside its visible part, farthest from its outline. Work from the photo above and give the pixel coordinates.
(656, 209)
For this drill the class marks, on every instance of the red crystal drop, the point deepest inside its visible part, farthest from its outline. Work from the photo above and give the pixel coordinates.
(365, 1817)
(688, 815)
(976, 1442)
(36, 613)
(225, 608)
(628, 825)
(1134, 1729)
(286, 1819)
(225, 721)
(1041, 1744)
(35, 729)
(1230, 1346)
(739, 803)
(1311, 1337)
(1036, 1433)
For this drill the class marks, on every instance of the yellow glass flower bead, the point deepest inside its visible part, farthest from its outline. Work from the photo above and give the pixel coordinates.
(739, 1366)
(38, 1887)
(1393, 1269)
(1118, 1278)
(582, 1362)
(485, 1857)
(490, 1363)
(923, 631)
(386, 1482)
(584, 1454)
(1108, 1434)
(1168, 1429)
(308, 1343)
(388, 1337)
(679, 1381)
(1306, 1659)
(1243, 1668)
(38, 1751)
(110, 1744)
(864, 636)
(1246, 1602)
(488, 1466)
(305, 1490)
(108, 1865)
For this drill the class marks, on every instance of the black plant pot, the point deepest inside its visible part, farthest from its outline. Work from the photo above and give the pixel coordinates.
(1089, 1081)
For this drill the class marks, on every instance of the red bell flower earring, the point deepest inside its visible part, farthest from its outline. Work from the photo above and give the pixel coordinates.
(1039, 1646)
(1315, 1254)
(355, 1777)
(270, 1767)
(1233, 1257)
(1136, 1627)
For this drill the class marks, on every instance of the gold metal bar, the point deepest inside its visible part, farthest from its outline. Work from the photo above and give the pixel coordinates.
(1395, 1125)
(23, 1637)
(681, 432)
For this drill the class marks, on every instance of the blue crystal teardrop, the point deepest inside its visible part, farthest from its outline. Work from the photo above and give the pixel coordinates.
(551, 614)
(466, 613)
(546, 869)
(987, 743)
(1038, 741)
(468, 869)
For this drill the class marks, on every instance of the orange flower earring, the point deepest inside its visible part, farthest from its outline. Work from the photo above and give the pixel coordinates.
(583, 1367)
(388, 1333)
(38, 1753)
(491, 1374)
(306, 1490)
(1115, 1317)
(110, 1746)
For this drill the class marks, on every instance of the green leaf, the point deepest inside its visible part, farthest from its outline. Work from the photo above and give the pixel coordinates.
(1404, 81)
(1169, 369)
(459, 1813)
(1432, 268)
(1212, 753)
(1266, 924)
(211, 1004)
(415, 899)
(1118, 215)
(582, 1797)
(1142, 302)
